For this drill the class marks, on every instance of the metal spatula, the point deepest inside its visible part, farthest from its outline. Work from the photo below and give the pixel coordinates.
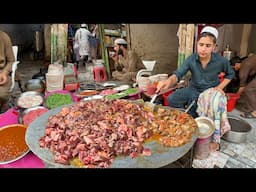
(154, 98)
(160, 93)
(190, 105)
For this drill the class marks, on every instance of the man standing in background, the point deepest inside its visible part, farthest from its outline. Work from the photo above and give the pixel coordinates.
(82, 39)
(247, 89)
(6, 61)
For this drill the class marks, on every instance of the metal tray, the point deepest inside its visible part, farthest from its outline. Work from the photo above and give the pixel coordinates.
(160, 155)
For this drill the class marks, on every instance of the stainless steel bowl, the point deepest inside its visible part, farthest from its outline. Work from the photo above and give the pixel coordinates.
(35, 85)
(239, 130)
(29, 99)
(42, 78)
(205, 127)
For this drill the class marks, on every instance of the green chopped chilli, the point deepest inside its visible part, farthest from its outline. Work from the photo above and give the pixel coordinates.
(56, 100)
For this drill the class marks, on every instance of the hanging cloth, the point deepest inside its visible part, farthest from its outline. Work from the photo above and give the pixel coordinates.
(186, 33)
(59, 34)
(213, 104)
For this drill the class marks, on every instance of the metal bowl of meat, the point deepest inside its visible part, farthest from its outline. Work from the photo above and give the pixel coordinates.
(239, 130)
(29, 99)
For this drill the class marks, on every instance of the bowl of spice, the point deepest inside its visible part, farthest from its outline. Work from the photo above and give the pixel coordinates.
(12, 143)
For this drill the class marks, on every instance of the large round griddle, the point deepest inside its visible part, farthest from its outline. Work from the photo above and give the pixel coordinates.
(160, 155)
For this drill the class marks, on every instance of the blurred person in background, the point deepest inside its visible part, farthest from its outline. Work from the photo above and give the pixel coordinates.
(127, 62)
(94, 41)
(247, 87)
(6, 61)
(233, 86)
(82, 41)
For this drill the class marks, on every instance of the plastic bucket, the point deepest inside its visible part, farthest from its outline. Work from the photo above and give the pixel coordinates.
(99, 73)
(231, 101)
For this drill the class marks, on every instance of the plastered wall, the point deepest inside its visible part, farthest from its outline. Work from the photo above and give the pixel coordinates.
(230, 34)
(21, 34)
(155, 42)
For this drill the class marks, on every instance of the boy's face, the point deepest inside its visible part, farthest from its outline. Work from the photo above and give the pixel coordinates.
(205, 46)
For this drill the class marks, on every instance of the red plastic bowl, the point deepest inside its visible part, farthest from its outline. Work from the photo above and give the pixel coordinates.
(231, 100)
(165, 96)
(232, 96)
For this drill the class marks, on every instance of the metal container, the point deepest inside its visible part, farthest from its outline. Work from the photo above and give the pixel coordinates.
(205, 126)
(35, 85)
(239, 130)
(29, 99)
(42, 78)
(205, 131)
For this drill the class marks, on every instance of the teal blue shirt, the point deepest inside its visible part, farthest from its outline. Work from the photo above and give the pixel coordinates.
(202, 79)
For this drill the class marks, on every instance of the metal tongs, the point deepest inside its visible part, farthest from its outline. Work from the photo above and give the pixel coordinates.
(160, 93)
(178, 85)
(190, 105)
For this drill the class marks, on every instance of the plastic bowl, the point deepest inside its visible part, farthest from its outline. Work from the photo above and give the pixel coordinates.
(231, 100)
(135, 96)
(74, 98)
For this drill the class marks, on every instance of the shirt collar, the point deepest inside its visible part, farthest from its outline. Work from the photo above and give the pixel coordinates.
(213, 57)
